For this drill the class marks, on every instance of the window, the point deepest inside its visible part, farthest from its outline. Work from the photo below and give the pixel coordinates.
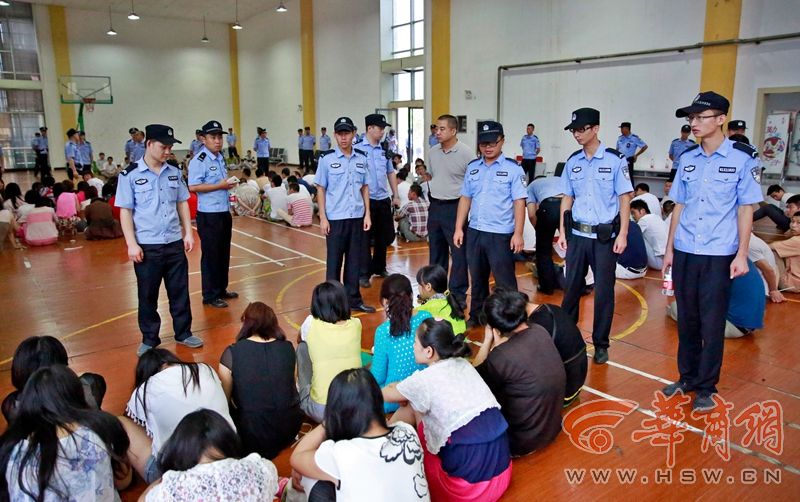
(19, 59)
(408, 28)
(409, 85)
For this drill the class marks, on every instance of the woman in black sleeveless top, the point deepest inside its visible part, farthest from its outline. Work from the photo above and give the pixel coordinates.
(257, 373)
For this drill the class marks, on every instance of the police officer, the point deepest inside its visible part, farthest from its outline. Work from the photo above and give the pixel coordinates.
(41, 148)
(324, 140)
(197, 143)
(432, 138)
(493, 195)
(208, 178)
(152, 199)
(595, 214)
(233, 153)
(382, 196)
(628, 143)
(72, 154)
(138, 146)
(261, 146)
(677, 147)
(708, 242)
(530, 150)
(544, 210)
(129, 145)
(86, 153)
(737, 127)
(343, 197)
(307, 142)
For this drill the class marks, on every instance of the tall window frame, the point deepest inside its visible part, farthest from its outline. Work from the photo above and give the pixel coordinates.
(408, 28)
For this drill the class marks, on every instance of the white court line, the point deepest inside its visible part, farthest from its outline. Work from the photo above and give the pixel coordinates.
(312, 234)
(635, 371)
(27, 263)
(250, 264)
(263, 257)
(314, 258)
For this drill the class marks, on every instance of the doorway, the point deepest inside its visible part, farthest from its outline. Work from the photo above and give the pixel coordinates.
(411, 131)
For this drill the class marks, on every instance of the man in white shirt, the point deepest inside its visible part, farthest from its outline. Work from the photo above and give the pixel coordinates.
(89, 178)
(642, 192)
(403, 186)
(764, 259)
(654, 231)
(277, 198)
(778, 195)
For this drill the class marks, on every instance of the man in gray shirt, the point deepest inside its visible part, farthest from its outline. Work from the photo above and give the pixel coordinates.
(447, 163)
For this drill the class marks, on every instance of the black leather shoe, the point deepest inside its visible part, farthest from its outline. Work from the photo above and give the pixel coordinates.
(364, 308)
(383, 274)
(672, 388)
(364, 283)
(474, 322)
(229, 295)
(218, 303)
(600, 355)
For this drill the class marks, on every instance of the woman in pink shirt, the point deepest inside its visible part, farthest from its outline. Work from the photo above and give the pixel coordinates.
(68, 208)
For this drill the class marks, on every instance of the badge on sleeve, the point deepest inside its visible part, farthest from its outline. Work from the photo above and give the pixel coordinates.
(626, 173)
(756, 172)
(523, 179)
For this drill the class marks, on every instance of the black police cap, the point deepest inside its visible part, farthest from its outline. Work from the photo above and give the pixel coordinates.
(376, 119)
(737, 124)
(489, 131)
(708, 100)
(161, 133)
(212, 127)
(686, 128)
(625, 124)
(133, 130)
(583, 117)
(344, 124)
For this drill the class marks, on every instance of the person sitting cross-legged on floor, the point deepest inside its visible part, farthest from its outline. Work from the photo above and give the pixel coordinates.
(412, 218)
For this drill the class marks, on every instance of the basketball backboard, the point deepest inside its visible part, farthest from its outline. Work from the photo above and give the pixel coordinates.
(79, 89)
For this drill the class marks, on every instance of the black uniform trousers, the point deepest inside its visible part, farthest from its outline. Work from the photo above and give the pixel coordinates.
(775, 214)
(582, 253)
(233, 153)
(380, 235)
(165, 262)
(702, 290)
(215, 242)
(42, 165)
(529, 166)
(345, 244)
(488, 252)
(263, 163)
(547, 222)
(441, 227)
(306, 158)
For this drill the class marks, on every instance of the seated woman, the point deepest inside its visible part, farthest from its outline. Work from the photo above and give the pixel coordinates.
(31, 354)
(393, 354)
(568, 341)
(59, 448)
(68, 209)
(100, 219)
(330, 343)
(202, 460)
(8, 230)
(520, 364)
(436, 299)
(167, 389)
(355, 455)
(40, 225)
(257, 374)
(461, 428)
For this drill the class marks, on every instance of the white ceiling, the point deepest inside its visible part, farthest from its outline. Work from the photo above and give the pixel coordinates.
(215, 10)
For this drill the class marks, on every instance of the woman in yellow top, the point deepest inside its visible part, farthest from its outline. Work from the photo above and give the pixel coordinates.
(330, 342)
(436, 299)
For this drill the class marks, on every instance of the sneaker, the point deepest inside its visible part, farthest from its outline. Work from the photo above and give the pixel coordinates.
(703, 402)
(672, 388)
(192, 342)
(143, 347)
(600, 355)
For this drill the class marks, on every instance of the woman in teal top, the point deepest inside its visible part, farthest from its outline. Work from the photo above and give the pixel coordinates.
(436, 299)
(393, 357)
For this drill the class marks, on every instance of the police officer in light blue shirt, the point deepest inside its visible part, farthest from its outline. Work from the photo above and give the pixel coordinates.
(152, 198)
(233, 153)
(530, 150)
(261, 146)
(715, 186)
(72, 154)
(432, 139)
(493, 194)
(306, 145)
(678, 146)
(43, 153)
(343, 196)
(86, 153)
(129, 144)
(197, 143)
(595, 214)
(628, 143)
(544, 210)
(208, 177)
(138, 147)
(324, 140)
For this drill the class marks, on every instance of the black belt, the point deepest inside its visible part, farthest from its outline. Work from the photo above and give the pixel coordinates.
(584, 227)
(443, 201)
(552, 199)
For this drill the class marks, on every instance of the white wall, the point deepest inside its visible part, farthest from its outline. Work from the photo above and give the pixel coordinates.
(50, 95)
(347, 60)
(644, 91)
(270, 79)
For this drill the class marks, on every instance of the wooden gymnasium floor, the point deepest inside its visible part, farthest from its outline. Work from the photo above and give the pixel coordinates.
(85, 294)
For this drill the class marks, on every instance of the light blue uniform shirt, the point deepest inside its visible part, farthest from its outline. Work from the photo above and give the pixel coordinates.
(544, 188)
(137, 150)
(36, 144)
(711, 188)
(677, 147)
(432, 140)
(378, 168)
(493, 190)
(261, 146)
(85, 152)
(629, 144)
(324, 142)
(44, 145)
(129, 149)
(529, 146)
(307, 142)
(596, 185)
(231, 139)
(196, 146)
(153, 199)
(342, 179)
(206, 167)
(71, 152)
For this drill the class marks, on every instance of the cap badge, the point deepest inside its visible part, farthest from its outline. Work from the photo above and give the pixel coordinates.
(342, 121)
(574, 116)
(216, 125)
(169, 131)
(485, 127)
(696, 98)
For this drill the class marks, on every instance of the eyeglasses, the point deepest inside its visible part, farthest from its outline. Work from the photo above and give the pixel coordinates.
(488, 144)
(692, 118)
(580, 130)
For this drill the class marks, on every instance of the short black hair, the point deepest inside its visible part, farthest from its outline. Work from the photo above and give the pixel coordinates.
(291, 179)
(640, 204)
(199, 432)
(259, 172)
(505, 309)
(286, 171)
(247, 172)
(452, 121)
(276, 180)
(774, 188)
(794, 199)
(329, 302)
(531, 125)
(354, 402)
(295, 187)
(668, 206)
(643, 186)
(402, 173)
(416, 189)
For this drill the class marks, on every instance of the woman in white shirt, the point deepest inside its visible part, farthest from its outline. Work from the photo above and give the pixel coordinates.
(202, 461)
(167, 389)
(355, 455)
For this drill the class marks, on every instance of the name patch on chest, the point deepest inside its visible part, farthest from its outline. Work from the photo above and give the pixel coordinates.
(577, 169)
(474, 171)
(141, 181)
(727, 169)
(502, 173)
(334, 166)
(689, 169)
(603, 169)
(359, 165)
(172, 178)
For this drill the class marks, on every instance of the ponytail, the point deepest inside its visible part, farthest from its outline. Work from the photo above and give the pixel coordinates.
(440, 336)
(436, 276)
(396, 290)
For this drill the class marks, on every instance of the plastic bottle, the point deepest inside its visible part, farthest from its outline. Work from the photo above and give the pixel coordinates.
(666, 287)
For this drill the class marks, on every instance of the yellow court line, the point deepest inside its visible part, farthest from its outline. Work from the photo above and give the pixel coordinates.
(642, 314)
(131, 312)
(282, 292)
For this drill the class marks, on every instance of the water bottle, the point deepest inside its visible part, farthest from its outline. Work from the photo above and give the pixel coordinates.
(666, 286)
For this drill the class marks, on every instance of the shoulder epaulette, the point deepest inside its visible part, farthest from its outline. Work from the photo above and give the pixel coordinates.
(512, 161)
(689, 149)
(616, 152)
(202, 156)
(746, 148)
(576, 152)
(362, 152)
(474, 161)
(128, 169)
(324, 153)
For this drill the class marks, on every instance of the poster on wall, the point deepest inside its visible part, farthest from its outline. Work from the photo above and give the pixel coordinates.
(776, 139)
(794, 149)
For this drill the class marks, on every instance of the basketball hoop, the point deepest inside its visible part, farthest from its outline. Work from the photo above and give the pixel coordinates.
(88, 104)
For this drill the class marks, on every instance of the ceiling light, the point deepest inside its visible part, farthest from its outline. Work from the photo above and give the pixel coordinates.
(110, 32)
(205, 38)
(133, 16)
(281, 8)
(4, 4)
(236, 25)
